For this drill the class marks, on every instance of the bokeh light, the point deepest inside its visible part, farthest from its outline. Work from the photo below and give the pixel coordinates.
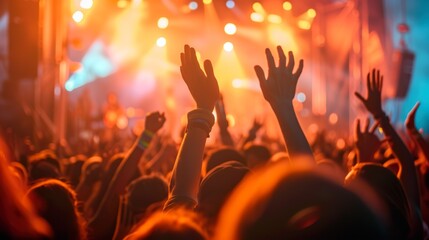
(228, 47)
(230, 29)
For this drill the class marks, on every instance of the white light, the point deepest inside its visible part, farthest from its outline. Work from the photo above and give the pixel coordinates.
(163, 22)
(78, 16)
(161, 42)
(256, 17)
(69, 86)
(230, 4)
(228, 46)
(86, 4)
(230, 29)
(193, 5)
(301, 97)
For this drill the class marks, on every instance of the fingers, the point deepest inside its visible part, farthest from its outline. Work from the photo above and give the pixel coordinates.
(366, 125)
(360, 97)
(291, 63)
(357, 129)
(300, 67)
(261, 77)
(368, 82)
(282, 57)
(208, 68)
(374, 127)
(414, 109)
(270, 59)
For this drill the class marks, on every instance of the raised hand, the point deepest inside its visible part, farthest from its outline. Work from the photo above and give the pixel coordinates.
(154, 121)
(367, 143)
(280, 85)
(374, 84)
(410, 121)
(203, 86)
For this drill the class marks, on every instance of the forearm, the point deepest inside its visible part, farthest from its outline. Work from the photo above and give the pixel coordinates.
(187, 168)
(296, 142)
(399, 149)
(226, 137)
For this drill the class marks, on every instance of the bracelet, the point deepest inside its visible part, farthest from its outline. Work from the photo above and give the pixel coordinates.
(202, 119)
(145, 139)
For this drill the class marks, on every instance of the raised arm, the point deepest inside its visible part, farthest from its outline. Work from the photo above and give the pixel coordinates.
(414, 134)
(279, 90)
(123, 175)
(409, 176)
(223, 124)
(204, 89)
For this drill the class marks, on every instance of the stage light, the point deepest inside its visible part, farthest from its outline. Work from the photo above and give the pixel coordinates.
(228, 46)
(257, 17)
(86, 4)
(311, 13)
(273, 18)
(303, 24)
(230, 29)
(333, 118)
(122, 3)
(161, 42)
(341, 143)
(163, 22)
(301, 97)
(257, 7)
(230, 4)
(287, 6)
(207, 1)
(193, 5)
(77, 16)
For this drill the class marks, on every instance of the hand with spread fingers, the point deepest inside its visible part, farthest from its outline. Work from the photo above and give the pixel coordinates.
(367, 143)
(202, 85)
(280, 85)
(372, 102)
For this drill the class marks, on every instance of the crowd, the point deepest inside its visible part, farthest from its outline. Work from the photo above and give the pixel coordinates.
(157, 189)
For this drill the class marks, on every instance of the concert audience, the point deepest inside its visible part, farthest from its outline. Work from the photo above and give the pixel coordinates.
(156, 189)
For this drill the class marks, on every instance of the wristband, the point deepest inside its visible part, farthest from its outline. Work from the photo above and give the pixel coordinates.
(145, 139)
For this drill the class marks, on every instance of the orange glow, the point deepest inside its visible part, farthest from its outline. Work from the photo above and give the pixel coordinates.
(281, 35)
(122, 3)
(341, 143)
(230, 61)
(304, 24)
(273, 18)
(333, 118)
(257, 7)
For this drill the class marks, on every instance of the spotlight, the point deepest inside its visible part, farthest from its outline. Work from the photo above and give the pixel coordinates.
(230, 4)
(207, 1)
(257, 17)
(230, 29)
(163, 22)
(193, 5)
(122, 3)
(303, 24)
(77, 16)
(228, 46)
(257, 7)
(86, 4)
(273, 18)
(301, 97)
(311, 13)
(287, 6)
(161, 42)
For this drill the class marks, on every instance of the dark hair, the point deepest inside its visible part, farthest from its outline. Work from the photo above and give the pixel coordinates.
(221, 155)
(145, 191)
(388, 187)
(283, 203)
(57, 205)
(256, 154)
(178, 225)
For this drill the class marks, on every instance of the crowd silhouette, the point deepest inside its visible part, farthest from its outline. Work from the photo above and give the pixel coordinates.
(158, 189)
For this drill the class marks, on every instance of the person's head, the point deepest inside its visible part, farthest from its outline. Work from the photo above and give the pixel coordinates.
(389, 190)
(74, 169)
(18, 220)
(56, 203)
(216, 187)
(44, 165)
(91, 170)
(221, 155)
(256, 155)
(283, 203)
(176, 224)
(145, 191)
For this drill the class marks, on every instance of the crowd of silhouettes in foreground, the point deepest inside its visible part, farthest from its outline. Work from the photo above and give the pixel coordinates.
(376, 189)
